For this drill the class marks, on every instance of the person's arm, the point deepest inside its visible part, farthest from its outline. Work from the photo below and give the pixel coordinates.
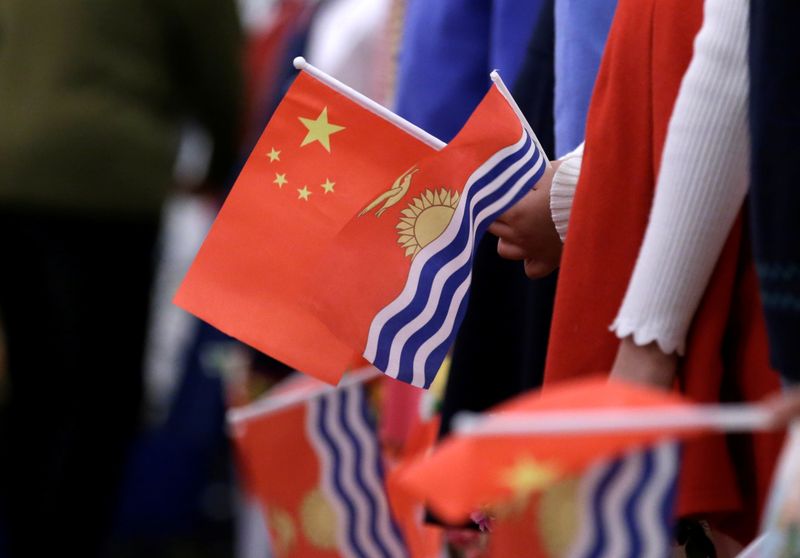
(701, 187)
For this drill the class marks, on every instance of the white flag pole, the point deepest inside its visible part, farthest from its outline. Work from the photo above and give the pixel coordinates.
(270, 404)
(501, 86)
(727, 418)
(372, 106)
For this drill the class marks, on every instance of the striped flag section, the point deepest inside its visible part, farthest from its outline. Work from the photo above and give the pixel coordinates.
(627, 506)
(339, 428)
(394, 283)
(409, 338)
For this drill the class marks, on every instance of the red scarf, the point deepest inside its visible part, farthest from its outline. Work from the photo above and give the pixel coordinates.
(648, 51)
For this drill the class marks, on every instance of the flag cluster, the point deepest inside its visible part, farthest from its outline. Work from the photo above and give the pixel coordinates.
(345, 236)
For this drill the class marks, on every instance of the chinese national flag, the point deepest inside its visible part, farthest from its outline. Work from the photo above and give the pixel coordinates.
(321, 158)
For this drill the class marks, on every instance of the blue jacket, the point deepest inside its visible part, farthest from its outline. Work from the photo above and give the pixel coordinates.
(448, 49)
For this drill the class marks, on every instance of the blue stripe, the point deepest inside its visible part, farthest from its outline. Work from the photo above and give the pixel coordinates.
(378, 465)
(667, 504)
(437, 356)
(646, 473)
(359, 463)
(350, 520)
(396, 322)
(598, 498)
(444, 258)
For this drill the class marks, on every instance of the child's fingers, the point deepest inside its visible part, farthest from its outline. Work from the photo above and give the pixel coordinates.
(536, 269)
(501, 230)
(509, 250)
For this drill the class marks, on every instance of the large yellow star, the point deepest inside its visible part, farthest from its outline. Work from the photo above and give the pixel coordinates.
(303, 193)
(274, 155)
(320, 130)
(528, 476)
(280, 179)
(328, 185)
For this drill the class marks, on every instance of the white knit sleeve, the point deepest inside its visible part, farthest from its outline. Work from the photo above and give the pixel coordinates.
(562, 190)
(701, 186)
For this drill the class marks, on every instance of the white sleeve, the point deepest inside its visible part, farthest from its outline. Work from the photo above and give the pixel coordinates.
(562, 190)
(701, 186)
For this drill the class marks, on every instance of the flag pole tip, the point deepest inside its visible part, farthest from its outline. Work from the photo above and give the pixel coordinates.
(495, 75)
(465, 422)
(300, 63)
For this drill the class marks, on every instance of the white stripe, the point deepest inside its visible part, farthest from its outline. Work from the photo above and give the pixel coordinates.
(348, 466)
(369, 458)
(447, 325)
(613, 506)
(434, 341)
(665, 464)
(326, 477)
(587, 524)
(421, 259)
(443, 274)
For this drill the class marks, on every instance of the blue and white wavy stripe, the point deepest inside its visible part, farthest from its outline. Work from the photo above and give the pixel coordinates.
(408, 339)
(352, 478)
(627, 506)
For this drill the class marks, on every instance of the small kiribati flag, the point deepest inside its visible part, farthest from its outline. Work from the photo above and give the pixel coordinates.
(395, 281)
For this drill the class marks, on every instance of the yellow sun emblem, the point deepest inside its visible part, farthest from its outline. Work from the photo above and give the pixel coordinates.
(425, 218)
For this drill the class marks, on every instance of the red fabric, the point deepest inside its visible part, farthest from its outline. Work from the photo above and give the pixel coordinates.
(253, 274)
(465, 473)
(367, 265)
(648, 51)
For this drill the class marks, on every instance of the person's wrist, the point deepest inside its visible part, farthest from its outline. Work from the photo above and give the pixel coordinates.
(644, 364)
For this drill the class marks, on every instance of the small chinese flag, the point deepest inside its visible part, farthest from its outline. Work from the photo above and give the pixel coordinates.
(320, 160)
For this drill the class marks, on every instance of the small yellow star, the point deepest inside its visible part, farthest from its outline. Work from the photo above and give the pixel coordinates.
(320, 130)
(528, 476)
(280, 179)
(303, 193)
(274, 155)
(328, 186)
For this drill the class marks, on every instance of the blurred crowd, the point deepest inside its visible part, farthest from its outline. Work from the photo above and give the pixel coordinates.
(123, 126)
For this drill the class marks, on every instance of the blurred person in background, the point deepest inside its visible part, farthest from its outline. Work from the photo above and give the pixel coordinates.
(93, 98)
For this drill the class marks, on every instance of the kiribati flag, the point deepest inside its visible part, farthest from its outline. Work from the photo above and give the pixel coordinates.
(395, 281)
(311, 456)
(617, 508)
(627, 505)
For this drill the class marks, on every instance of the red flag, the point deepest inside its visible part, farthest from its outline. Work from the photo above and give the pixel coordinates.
(321, 158)
(310, 454)
(398, 275)
(467, 473)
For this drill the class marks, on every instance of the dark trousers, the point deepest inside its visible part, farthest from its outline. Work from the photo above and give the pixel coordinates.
(74, 296)
(775, 188)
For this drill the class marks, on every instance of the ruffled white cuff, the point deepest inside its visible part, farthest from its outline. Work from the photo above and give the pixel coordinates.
(644, 333)
(562, 191)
